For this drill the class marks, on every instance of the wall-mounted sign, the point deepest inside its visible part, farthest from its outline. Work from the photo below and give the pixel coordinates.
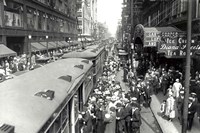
(175, 46)
(151, 38)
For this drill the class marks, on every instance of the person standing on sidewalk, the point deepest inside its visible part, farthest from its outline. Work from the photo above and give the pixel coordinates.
(170, 109)
(176, 88)
(179, 103)
(192, 107)
(135, 117)
(164, 82)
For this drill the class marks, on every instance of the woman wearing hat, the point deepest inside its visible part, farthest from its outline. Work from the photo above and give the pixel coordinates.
(170, 108)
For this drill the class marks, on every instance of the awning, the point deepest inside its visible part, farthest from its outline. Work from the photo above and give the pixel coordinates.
(75, 43)
(49, 45)
(59, 44)
(64, 43)
(35, 46)
(43, 43)
(5, 51)
(151, 36)
(52, 45)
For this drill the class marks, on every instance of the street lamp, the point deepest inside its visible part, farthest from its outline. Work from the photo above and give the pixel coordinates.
(29, 49)
(47, 46)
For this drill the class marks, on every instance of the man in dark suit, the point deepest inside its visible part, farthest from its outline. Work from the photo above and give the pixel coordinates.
(192, 107)
(135, 119)
(127, 115)
(120, 121)
(180, 102)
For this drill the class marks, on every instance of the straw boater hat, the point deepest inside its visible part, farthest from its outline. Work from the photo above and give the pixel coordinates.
(113, 98)
(181, 92)
(133, 99)
(191, 99)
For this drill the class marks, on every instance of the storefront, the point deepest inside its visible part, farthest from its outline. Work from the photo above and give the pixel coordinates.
(162, 45)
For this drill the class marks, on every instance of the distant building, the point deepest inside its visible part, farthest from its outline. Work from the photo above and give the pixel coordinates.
(169, 19)
(87, 19)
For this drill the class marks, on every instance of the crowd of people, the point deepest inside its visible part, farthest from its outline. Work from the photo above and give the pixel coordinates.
(110, 107)
(11, 65)
(170, 82)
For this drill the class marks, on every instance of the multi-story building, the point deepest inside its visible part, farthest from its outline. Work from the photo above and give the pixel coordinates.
(164, 28)
(87, 18)
(24, 22)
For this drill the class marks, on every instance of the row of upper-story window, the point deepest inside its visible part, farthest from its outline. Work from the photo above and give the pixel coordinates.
(171, 9)
(35, 20)
(65, 6)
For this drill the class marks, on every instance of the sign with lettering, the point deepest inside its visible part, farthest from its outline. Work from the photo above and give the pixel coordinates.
(174, 45)
(151, 38)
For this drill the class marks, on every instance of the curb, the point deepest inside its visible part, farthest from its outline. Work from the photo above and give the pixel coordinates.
(156, 119)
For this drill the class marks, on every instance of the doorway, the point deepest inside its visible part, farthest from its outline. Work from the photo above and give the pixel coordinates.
(16, 44)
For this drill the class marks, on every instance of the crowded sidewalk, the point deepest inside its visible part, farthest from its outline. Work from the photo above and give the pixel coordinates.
(169, 126)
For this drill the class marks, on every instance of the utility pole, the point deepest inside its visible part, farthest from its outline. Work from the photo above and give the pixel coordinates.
(187, 68)
(131, 36)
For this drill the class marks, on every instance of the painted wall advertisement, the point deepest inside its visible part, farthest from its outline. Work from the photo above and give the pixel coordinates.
(174, 44)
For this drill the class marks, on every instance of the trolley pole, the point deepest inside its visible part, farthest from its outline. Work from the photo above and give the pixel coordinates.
(187, 69)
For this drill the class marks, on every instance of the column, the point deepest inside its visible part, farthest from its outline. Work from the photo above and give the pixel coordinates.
(1, 13)
(26, 47)
(24, 15)
(197, 9)
(4, 40)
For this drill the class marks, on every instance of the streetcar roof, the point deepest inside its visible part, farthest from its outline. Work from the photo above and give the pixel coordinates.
(90, 53)
(28, 113)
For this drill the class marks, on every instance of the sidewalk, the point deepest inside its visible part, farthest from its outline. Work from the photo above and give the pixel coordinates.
(166, 126)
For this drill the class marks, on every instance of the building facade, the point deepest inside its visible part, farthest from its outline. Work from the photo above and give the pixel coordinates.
(164, 23)
(87, 19)
(22, 22)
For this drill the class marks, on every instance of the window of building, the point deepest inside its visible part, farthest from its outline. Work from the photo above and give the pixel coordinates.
(13, 14)
(30, 22)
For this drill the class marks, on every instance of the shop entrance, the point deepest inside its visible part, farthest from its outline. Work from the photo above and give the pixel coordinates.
(16, 44)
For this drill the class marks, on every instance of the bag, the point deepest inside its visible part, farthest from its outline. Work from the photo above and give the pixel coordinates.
(172, 114)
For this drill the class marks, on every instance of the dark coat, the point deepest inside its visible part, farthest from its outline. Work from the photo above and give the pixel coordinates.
(192, 110)
(120, 124)
(100, 126)
(136, 118)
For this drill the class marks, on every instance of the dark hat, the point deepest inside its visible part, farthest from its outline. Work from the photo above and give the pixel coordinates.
(112, 109)
(119, 104)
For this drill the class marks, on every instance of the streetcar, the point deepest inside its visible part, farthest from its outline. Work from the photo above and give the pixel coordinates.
(94, 53)
(47, 99)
